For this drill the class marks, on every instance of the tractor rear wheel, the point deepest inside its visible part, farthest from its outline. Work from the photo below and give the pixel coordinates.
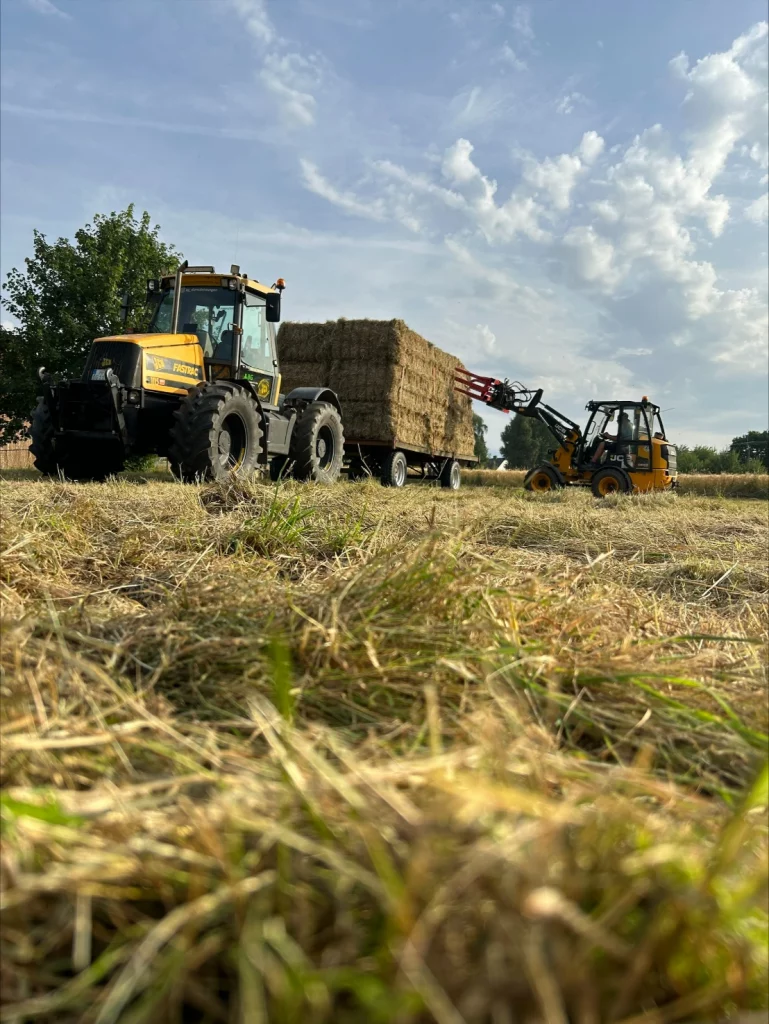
(217, 433)
(451, 475)
(610, 481)
(542, 479)
(43, 445)
(394, 470)
(317, 444)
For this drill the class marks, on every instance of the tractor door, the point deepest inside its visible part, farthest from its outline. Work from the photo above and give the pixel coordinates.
(257, 352)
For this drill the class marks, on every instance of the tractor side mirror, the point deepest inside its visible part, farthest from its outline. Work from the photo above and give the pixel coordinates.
(273, 307)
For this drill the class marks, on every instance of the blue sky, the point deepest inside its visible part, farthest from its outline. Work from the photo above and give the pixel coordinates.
(569, 194)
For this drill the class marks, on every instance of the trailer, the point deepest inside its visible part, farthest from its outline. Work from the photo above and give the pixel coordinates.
(392, 464)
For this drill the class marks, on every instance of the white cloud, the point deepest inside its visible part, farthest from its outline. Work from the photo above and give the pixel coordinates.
(566, 103)
(592, 257)
(346, 201)
(498, 9)
(47, 7)
(634, 352)
(558, 177)
(522, 21)
(485, 339)
(758, 210)
(290, 78)
(256, 20)
(507, 55)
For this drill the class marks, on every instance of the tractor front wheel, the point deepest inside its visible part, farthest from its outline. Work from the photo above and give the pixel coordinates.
(216, 434)
(609, 481)
(542, 479)
(317, 444)
(43, 445)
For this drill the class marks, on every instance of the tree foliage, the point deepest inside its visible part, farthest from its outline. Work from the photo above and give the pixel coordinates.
(526, 442)
(701, 459)
(71, 293)
(753, 446)
(480, 430)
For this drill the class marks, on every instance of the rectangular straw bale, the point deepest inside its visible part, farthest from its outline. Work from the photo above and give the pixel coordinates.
(395, 386)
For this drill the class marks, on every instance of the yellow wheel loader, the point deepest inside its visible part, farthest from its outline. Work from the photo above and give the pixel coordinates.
(622, 450)
(201, 387)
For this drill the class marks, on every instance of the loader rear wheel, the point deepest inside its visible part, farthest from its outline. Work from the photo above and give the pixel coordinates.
(610, 481)
(542, 479)
(216, 434)
(43, 445)
(317, 444)
(395, 470)
(451, 475)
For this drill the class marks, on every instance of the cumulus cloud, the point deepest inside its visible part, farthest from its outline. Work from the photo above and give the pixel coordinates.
(758, 210)
(558, 177)
(507, 55)
(485, 339)
(256, 20)
(522, 21)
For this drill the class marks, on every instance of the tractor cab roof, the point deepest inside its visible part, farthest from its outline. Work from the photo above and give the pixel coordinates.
(207, 277)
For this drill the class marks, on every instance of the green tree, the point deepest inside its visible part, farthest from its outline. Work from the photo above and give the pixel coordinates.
(71, 293)
(753, 446)
(481, 449)
(526, 442)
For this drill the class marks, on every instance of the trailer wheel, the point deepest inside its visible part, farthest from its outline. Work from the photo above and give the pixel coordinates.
(451, 475)
(395, 470)
(317, 444)
(216, 434)
(43, 445)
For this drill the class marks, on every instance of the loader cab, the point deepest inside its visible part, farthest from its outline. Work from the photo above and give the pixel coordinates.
(234, 321)
(623, 434)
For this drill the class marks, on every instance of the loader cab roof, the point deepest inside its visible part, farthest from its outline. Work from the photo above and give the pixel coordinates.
(623, 404)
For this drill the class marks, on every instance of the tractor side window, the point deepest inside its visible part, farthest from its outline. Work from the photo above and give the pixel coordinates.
(256, 350)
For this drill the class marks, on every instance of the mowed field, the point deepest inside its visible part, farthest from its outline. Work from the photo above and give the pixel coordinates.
(350, 755)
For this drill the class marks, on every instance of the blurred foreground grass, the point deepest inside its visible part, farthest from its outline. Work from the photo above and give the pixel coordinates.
(347, 754)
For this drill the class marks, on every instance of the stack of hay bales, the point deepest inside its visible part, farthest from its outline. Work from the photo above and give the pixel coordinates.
(396, 388)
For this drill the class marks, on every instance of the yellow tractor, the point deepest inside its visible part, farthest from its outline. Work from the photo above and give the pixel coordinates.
(622, 450)
(201, 387)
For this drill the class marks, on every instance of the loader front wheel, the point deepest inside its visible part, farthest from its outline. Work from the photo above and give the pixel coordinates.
(216, 434)
(317, 444)
(542, 479)
(610, 481)
(395, 470)
(43, 445)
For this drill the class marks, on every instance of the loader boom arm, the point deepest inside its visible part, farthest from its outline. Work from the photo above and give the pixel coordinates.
(507, 396)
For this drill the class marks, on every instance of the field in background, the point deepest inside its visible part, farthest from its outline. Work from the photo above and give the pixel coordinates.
(357, 754)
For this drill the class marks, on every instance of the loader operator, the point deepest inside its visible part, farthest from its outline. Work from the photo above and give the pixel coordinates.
(619, 443)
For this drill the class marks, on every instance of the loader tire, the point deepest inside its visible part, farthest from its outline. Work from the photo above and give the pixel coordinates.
(317, 444)
(43, 446)
(395, 470)
(542, 479)
(217, 434)
(451, 475)
(609, 481)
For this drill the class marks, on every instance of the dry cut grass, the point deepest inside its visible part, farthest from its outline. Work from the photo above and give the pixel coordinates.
(346, 755)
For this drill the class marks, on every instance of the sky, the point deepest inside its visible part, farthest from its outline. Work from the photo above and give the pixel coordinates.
(572, 195)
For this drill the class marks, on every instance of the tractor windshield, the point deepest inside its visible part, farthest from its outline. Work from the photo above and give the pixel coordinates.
(205, 311)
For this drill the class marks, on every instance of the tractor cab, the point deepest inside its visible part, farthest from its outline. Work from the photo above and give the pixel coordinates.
(233, 319)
